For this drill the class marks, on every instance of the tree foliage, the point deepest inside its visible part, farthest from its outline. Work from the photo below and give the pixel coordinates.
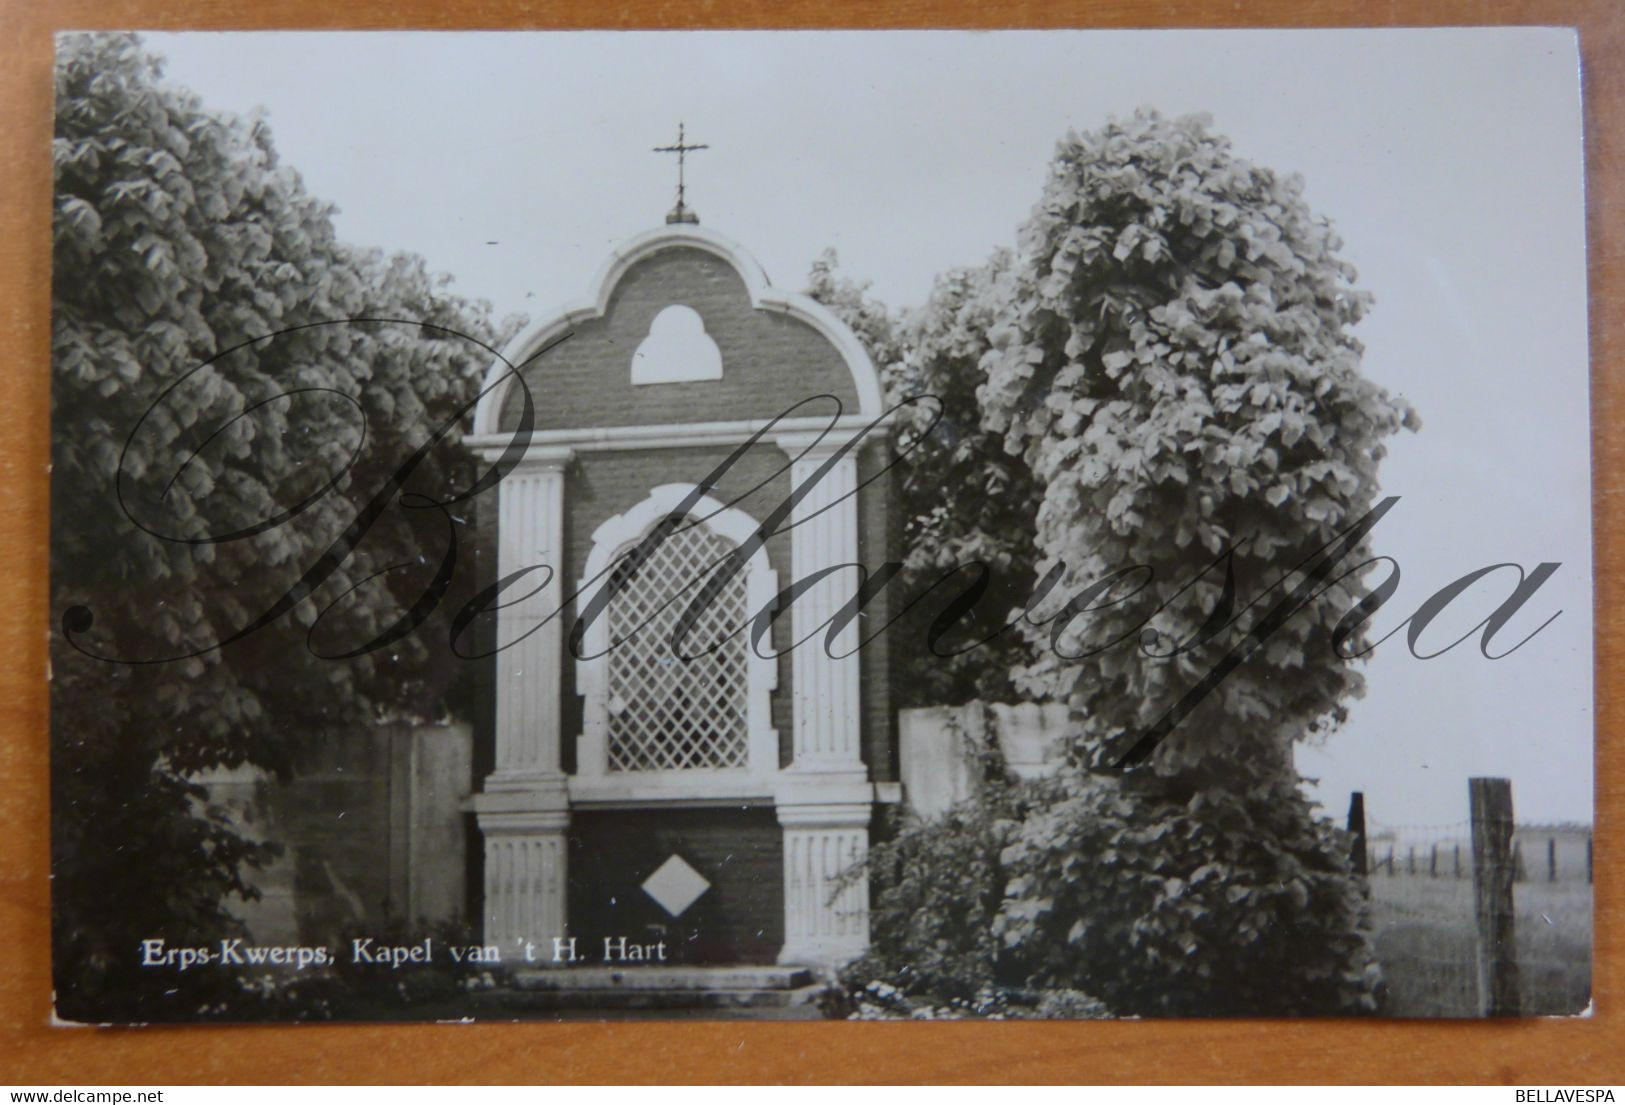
(1155, 404)
(1176, 367)
(980, 534)
(188, 500)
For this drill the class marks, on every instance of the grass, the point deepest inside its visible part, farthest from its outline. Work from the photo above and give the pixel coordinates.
(1425, 940)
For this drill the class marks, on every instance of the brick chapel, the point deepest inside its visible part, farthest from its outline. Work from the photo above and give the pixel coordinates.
(708, 801)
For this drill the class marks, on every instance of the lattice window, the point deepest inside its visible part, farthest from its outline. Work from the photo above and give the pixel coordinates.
(667, 713)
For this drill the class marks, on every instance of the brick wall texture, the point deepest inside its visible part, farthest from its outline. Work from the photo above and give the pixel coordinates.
(769, 360)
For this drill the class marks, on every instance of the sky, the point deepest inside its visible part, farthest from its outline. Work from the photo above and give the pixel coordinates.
(1449, 161)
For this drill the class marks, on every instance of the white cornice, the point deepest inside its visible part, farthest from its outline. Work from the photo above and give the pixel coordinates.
(836, 432)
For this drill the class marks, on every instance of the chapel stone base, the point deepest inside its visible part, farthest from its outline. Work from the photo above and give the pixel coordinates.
(826, 920)
(525, 867)
(826, 893)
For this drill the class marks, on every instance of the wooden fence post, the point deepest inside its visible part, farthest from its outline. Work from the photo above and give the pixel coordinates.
(1551, 859)
(1493, 872)
(1357, 830)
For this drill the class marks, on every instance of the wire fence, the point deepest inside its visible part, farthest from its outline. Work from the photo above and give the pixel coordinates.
(1422, 913)
(1426, 928)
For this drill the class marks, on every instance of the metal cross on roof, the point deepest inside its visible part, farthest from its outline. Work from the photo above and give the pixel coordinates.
(681, 213)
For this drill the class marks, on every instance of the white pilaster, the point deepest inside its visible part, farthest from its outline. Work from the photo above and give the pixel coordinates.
(524, 812)
(530, 533)
(824, 535)
(824, 797)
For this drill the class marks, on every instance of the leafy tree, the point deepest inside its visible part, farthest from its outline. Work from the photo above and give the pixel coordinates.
(1169, 367)
(187, 501)
(1175, 365)
(983, 531)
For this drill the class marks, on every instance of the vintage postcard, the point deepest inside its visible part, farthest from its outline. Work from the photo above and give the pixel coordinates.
(820, 525)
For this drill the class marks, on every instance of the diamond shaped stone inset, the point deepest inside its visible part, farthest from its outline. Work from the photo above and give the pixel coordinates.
(675, 886)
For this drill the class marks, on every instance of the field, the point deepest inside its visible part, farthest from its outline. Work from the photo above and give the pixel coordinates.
(1425, 941)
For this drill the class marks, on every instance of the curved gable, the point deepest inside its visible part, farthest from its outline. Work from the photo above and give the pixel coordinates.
(775, 349)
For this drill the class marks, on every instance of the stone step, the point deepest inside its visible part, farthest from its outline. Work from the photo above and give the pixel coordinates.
(677, 979)
(561, 1001)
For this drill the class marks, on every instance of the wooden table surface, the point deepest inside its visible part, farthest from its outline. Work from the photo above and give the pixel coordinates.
(1526, 1053)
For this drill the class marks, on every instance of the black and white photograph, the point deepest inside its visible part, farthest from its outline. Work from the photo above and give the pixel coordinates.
(819, 526)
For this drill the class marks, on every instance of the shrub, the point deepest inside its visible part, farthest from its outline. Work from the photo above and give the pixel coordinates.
(1179, 902)
(937, 887)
